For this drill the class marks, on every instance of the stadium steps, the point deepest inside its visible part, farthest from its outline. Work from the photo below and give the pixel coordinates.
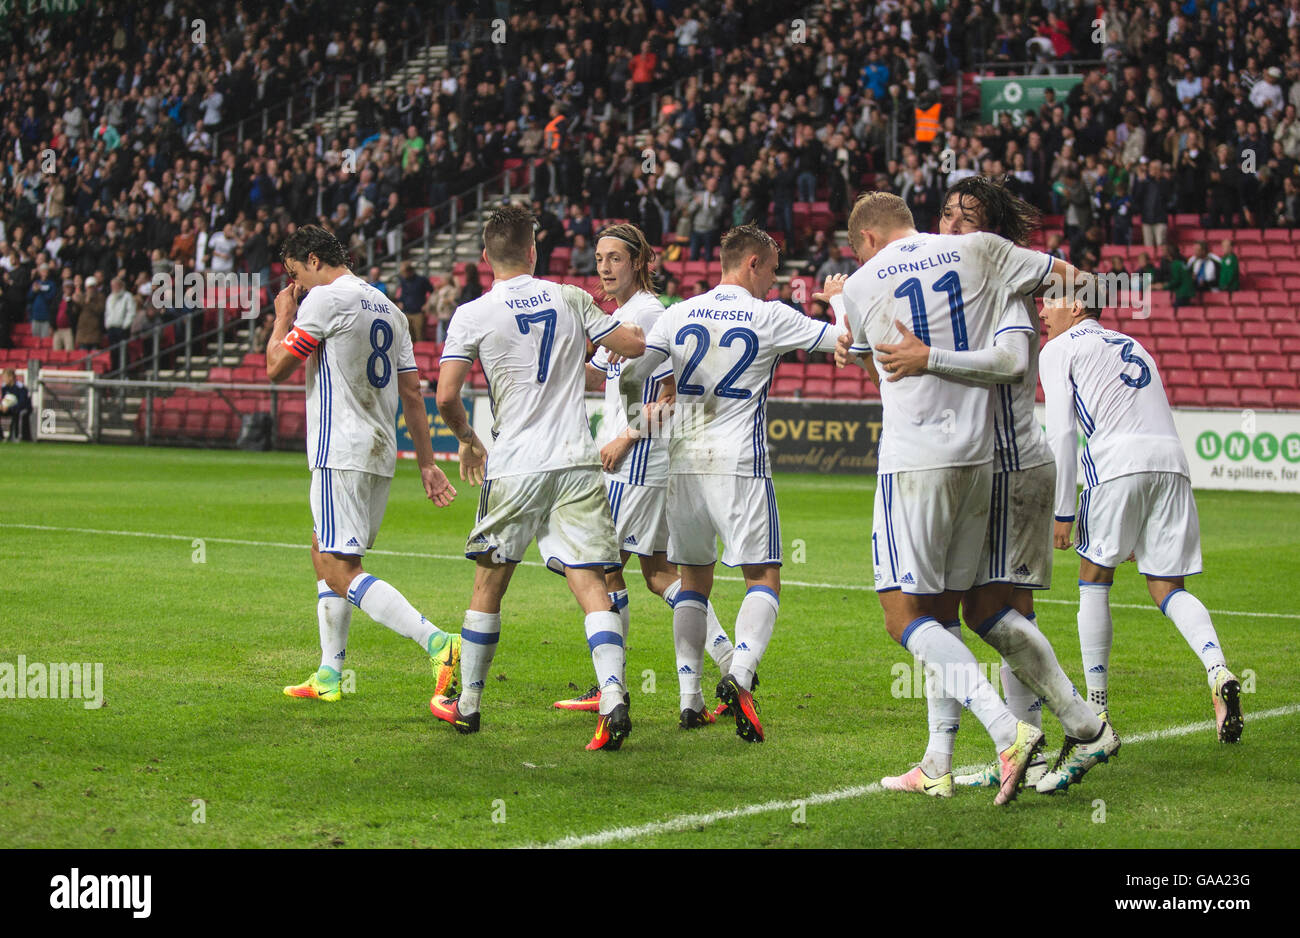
(429, 61)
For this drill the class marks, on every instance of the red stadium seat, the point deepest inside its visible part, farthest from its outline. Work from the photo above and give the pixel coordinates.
(1186, 396)
(1283, 328)
(1192, 327)
(1287, 399)
(1281, 379)
(1276, 236)
(787, 387)
(1270, 362)
(1180, 377)
(1255, 397)
(1203, 345)
(1221, 397)
(1239, 362)
(1214, 379)
(847, 387)
(819, 371)
(818, 387)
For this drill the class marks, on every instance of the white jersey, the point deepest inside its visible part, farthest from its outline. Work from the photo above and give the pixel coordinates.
(355, 343)
(724, 346)
(1108, 383)
(1018, 438)
(951, 290)
(531, 336)
(628, 386)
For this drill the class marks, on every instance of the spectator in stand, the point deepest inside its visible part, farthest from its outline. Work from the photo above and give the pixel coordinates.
(672, 292)
(441, 304)
(836, 263)
(473, 287)
(786, 295)
(19, 413)
(1182, 285)
(65, 318)
(582, 258)
(90, 322)
(119, 313)
(1120, 208)
(1229, 267)
(42, 299)
(1153, 196)
(1266, 96)
(413, 291)
(1054, 244)
(550, 235)
(706, 212)
(1204, 267)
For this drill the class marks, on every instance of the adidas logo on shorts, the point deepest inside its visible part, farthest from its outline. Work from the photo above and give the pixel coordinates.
(352, 542)
(1022, 570)
(908, 579)
(630, 539)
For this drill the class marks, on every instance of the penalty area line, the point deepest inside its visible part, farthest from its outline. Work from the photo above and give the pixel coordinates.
(686, 822)
(418, 555)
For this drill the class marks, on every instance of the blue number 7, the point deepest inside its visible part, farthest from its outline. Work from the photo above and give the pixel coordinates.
(547, 318)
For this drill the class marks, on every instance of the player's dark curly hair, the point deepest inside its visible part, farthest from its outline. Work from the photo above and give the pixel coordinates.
(313, 239)
(1005, 214)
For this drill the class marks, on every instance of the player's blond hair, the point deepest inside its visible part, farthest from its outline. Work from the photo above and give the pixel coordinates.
(640, 252)
(741, 242)
(882, 212)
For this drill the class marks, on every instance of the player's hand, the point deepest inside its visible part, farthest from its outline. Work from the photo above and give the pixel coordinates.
(833, 286)
(614, 452)
(437, 487)
(842, 345)
(473, 458)
(286, 301)
(1132, 557)
(614, 358)
(1061, 539)
(903, 359)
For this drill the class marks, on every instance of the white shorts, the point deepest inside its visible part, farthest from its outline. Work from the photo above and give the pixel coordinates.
(640, 516)
(928, 528)
(565, 510)
(739, 509)
(1150, 514)
(1018, 546)
(347, 507)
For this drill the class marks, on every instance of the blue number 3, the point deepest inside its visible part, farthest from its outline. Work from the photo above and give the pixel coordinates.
(378, 368)
(1127, 356)
(547, 319)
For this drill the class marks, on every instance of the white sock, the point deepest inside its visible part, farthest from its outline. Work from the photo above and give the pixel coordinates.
(334, 616)
(716, 641)
(944, 716)
(478, 644)
(958, 673)
(618, 599)
(605, 639)
(387, 606)
(1192, 619)
(1030, 656)
(1095, 636)
(754, 626)
(688, 639)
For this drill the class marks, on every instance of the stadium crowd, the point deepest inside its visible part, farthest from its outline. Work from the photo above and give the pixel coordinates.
(758, 114)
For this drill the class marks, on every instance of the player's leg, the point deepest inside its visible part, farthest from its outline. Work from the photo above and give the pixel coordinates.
(479, 633)
(933, 524)
(692, 547)
(576, 536)
(1169, 549)
(1104, 516)
(333, 618)
(616, 588)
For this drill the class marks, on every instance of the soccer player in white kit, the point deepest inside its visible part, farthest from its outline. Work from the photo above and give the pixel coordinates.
(543, 478)
(357, 346)
(936, 446)
(1017, 553)
(724, 346)
(1137, 493)
(635, 464)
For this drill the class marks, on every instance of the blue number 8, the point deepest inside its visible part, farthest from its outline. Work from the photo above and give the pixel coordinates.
(378, 368)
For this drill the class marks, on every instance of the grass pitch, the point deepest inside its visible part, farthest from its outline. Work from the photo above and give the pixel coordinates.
(196, 746)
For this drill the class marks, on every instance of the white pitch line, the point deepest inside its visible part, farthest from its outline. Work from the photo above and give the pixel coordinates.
(685, 822)
(852, 587)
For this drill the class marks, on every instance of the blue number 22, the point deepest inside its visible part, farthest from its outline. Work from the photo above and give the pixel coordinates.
(725, 387)
(547, 318)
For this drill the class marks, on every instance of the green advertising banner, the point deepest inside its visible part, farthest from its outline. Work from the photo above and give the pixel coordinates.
(1020, 94)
